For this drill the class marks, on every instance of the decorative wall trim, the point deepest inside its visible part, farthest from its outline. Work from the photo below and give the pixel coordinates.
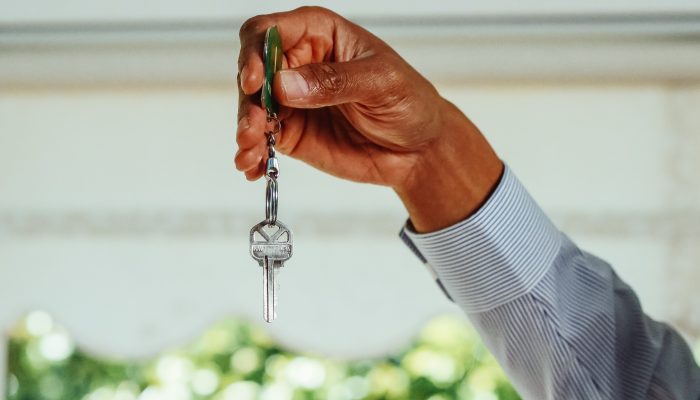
(627, 48)
(226, 223)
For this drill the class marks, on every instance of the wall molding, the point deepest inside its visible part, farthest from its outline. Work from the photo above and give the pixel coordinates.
(232, 224)
(577, 47)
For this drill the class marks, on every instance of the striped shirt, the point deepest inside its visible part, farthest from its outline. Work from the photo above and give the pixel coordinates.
(559, 320)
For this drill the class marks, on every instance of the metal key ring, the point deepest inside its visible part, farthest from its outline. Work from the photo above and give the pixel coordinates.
(273, 119)
(271, 197)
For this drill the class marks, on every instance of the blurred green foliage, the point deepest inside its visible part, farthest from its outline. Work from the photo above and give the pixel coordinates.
(238, 360)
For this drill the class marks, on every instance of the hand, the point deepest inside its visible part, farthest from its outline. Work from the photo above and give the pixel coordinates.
(354, 108)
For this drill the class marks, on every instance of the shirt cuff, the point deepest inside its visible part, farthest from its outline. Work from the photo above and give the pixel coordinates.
(494, 256)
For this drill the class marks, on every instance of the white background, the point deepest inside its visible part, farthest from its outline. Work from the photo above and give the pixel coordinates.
(122, 215)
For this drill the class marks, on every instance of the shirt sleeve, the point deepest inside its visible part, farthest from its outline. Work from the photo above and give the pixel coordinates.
(559, 320)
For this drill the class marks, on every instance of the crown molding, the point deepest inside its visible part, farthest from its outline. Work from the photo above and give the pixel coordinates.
(491, 49)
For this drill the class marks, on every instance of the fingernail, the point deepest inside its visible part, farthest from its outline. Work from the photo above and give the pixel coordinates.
(293, 84)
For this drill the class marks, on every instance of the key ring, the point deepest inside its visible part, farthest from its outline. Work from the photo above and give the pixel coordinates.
(271, 173)
(272, 117)
(271, 133)
(271, 198)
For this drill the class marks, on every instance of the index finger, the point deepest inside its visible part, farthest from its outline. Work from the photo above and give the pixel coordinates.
(293, 26)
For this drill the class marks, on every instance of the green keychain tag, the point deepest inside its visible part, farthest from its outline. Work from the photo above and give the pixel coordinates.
(272, 58)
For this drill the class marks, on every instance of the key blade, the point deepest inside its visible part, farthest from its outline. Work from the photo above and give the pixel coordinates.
(269, 297)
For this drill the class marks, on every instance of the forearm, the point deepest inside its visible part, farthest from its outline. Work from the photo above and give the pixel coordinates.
(559, 320)
(580, 333)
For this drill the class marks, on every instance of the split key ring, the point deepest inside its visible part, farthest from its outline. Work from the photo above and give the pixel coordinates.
(271, 197)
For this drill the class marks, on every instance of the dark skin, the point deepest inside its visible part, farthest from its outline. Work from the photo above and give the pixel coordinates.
(352, 107)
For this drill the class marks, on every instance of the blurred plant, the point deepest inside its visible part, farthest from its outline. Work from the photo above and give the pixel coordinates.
(236, 360)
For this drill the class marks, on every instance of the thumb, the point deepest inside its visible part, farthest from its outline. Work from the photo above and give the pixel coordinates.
(328, 84)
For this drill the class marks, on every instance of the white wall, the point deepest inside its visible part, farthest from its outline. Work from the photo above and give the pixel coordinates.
(121, 212)
(115, 198)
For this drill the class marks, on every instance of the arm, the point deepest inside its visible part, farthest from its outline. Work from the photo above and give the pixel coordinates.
(559, 320)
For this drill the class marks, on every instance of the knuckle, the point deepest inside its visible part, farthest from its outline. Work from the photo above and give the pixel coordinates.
(314, 10)
(329, 80)
(392, 77)
(251, 25)
(391, 81)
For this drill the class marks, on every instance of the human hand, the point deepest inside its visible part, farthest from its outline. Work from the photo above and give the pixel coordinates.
(352, 107)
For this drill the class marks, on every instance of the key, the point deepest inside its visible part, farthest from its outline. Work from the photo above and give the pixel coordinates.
(270, 246)
(271, 240)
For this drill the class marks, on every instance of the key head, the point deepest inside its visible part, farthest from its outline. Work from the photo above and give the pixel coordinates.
(271, 241)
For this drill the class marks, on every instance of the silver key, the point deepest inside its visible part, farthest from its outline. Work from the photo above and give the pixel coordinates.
(271, 246)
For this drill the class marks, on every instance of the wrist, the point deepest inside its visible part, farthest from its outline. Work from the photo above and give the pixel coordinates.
(452, 176)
